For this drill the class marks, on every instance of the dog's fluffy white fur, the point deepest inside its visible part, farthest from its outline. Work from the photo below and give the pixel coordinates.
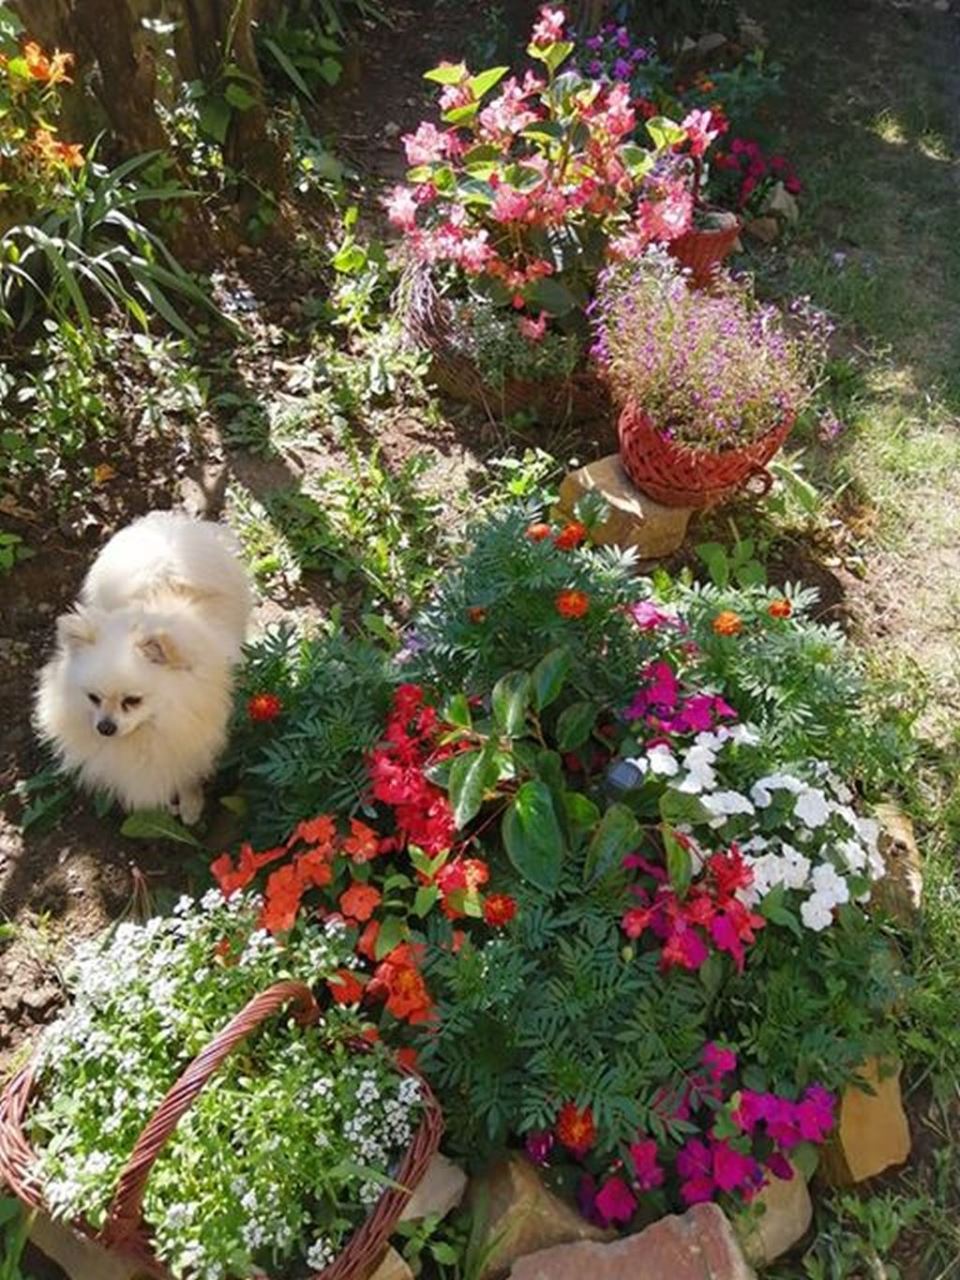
(136, 699)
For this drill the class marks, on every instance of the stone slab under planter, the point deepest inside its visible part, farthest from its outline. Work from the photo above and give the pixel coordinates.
(634, 520)
(873, 1133)
(777, 1220)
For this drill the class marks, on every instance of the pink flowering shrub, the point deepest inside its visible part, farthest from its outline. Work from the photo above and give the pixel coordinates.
(533, 181)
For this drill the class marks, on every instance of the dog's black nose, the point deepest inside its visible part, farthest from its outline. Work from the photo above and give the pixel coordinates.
(106, 727)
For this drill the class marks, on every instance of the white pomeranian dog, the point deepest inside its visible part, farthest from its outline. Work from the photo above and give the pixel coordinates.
(136, 699)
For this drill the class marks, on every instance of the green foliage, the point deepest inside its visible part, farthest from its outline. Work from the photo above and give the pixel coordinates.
(814, 1008)
(514, 582)
(334, 691)
(94, 243)
(493, 339)
(12, 551)
(14, 1228)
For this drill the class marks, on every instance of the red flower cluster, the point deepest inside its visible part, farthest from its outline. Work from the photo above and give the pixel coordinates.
(263, 707)
(396, 769)
(710, 912)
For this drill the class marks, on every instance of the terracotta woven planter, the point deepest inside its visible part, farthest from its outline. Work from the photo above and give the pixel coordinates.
(703, 251)
(124, 1232)
(428, 321)
(678, 476)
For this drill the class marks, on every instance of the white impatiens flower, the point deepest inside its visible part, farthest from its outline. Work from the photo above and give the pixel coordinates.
(829, 884)
(796, 867)
(744, 735)
(762, 789)
(726, 803)
(812, 808)
(701, 775)
(662, 760)
(817, 913)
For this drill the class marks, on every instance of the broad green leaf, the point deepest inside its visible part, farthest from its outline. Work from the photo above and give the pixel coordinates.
(678, 807)
(582, 813)
(532, 836)
(425, 899)
(238, 97)
(472, 774)
(615, 837)
(214, 118)
(576, 725)
(511, 698)
(449, 74)
(484, 81)
(392, 932)
(551, 129)
(717, 562)
(284, 60)
(150, 824)
(664, 132)
(679, 862)
(548, 677)
(551, 295)
(461, 115)
(806, 1157)
(457, 711)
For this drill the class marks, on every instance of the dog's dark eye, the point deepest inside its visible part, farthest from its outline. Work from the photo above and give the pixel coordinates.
(129, 703)
(94, 699)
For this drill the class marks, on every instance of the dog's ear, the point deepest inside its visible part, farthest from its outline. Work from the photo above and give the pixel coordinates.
(75, 628)
(160, 648)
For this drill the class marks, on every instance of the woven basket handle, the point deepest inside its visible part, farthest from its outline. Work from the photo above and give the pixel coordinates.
(124, 1215)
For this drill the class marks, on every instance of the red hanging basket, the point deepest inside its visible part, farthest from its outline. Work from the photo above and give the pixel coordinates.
(679, 476)
(428, 321)
(703, 251)
(125, 1233)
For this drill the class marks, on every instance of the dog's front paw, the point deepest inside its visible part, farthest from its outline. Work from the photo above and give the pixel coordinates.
(189, 805)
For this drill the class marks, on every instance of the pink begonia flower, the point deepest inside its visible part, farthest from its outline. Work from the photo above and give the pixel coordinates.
(507, 113)
(510, 205)
(453, 96)
(617, 117)
(401, 206)
(668, 218)
(549, 27)
(646, 1171)
(718, 1060)
(700, 132)
(425, 146)
(615, 1202)
(533, 330)
(648, 617)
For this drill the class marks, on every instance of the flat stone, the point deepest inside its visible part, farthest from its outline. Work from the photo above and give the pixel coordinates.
(392, 1267)
(80, 1257)
(873, 1133)
(899, 893)
(766, 229)
(700, 1245)
(519, 1215)
(440, 1190)
(782, 203)
(40, 1000)
(779, 1217)
(634, 520)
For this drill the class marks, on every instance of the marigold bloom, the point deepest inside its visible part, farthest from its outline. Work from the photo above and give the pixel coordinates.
(728, 623)
(538, 532)
(570, 536)
(780, 608)
(576, 1129)
(572, 603)
(360, 901)
(499, 909)
(263, 707)
(477, 614)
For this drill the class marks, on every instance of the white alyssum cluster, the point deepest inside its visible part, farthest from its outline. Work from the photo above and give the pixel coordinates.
(772, 817)
(280, 1156)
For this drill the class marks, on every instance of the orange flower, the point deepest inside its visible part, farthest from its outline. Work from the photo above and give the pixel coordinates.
(314, 869)
(371, 1034)
(230, 878)
(570, 536)
(367, 942)
(728, 623)
(407, 1057)
(477, 614)
(283, 893)
(263, 707)
(576, 1129)
(70, 154)
(319, 831)
(401, 981)
(345, 988)
(363, 843)
(572, 603)
(499, 909)
(780, 608)
(538, 532)
(360, 901)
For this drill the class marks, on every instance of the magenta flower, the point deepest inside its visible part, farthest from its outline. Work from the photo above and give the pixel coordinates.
(648, 617)
(718, 1060)
(615, 1202)
(646, 1171)
(733, 1170)
(780, 1166)
(695, 1168)
(538, 1145)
